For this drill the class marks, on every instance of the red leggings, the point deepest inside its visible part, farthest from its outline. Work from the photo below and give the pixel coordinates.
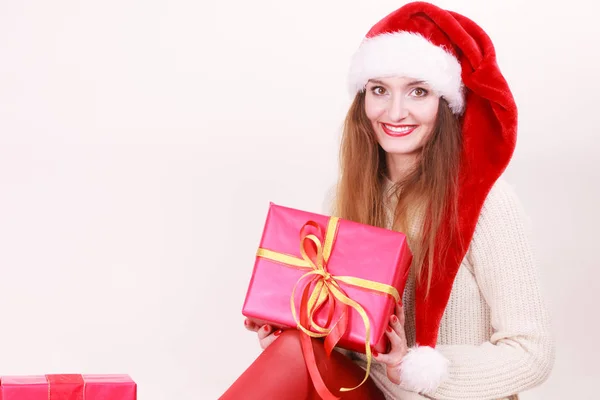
(280, 373)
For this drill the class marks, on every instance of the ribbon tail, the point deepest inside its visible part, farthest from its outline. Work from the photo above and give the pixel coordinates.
(315, 305)
(309, 353)
(348, 301)
(340, 326)
(313, 371)
(304, 312)
(310, 360)
(331, 307)
(337, 331)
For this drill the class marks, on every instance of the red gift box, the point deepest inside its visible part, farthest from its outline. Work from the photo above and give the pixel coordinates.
(301, 253)
(68, 387)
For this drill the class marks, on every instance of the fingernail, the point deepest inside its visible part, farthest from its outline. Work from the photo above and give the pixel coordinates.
(389, 329)
(278, 332)
(245, 322)
(266, 328)
(375, 353)
(394, 319)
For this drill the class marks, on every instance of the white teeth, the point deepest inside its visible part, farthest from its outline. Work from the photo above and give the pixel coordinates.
(400, 129)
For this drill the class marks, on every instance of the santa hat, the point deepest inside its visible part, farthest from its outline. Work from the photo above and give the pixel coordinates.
(458, 61)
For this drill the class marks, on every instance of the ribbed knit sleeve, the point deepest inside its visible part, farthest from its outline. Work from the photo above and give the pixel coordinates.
(520, 352)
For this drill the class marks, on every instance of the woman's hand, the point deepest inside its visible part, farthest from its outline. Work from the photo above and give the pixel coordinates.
(266, 336)
(397, 336)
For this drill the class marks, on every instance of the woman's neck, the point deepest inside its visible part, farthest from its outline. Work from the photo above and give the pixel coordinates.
(399, 165)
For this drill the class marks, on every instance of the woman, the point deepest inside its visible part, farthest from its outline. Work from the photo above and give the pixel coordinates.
(431, 130)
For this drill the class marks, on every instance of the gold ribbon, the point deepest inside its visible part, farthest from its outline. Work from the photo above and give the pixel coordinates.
(327, 287)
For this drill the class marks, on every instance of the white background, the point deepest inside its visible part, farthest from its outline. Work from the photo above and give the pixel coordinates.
(141, 141)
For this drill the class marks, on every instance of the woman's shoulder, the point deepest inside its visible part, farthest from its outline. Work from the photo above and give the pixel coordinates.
(502, 212)
(501, 200)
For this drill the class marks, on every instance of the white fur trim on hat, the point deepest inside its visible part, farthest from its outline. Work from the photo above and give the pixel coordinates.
(410, 55)
(423, 369)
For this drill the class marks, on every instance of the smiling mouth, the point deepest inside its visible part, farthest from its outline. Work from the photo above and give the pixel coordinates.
(398, 130)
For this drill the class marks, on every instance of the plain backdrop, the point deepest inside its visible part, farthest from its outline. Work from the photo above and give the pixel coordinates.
(141, 141)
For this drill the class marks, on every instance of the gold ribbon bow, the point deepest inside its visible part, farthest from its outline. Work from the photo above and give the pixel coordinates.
(326, 289)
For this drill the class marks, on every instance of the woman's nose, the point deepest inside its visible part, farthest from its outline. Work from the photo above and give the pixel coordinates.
(397, 110)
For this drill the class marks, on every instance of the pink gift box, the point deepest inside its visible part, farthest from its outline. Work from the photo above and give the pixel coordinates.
(68, 387)
(358, 250)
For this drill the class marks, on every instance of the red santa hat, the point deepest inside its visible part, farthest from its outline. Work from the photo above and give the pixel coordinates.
(458, 61)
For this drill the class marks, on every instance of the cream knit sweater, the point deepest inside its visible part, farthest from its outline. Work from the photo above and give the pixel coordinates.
(495, 330)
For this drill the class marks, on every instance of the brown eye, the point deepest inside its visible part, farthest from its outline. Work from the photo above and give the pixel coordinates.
(420, 92)
(378, 90)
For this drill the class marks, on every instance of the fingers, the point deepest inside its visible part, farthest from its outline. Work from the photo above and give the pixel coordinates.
(397, 326)
(268, 340)
(264, 331)
(391, 359)
(396, 337)
(399, 349)
(250, 325)
(400, 314)
(266, 336)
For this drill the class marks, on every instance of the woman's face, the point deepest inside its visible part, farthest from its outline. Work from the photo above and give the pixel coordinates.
(403, 113)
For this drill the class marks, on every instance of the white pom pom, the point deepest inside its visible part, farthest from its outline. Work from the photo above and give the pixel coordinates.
(423, 369)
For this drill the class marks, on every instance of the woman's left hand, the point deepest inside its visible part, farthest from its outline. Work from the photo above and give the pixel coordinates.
(399, 347)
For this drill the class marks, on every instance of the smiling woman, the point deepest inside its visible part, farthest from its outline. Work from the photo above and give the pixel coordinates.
(403, 113)
(430, 132)
(397, 108)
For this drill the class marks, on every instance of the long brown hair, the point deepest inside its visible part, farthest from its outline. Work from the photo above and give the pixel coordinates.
(426, 196)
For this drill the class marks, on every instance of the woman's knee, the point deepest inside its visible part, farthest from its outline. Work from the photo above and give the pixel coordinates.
(288, 343)
(293, 338)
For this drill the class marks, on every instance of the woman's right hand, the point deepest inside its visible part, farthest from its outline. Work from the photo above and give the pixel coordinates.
(266, 336)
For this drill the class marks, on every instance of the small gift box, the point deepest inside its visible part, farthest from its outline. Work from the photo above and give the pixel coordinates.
(329, 277)
(68, 387)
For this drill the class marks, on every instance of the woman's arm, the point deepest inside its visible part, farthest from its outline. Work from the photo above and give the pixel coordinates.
(520, 353)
